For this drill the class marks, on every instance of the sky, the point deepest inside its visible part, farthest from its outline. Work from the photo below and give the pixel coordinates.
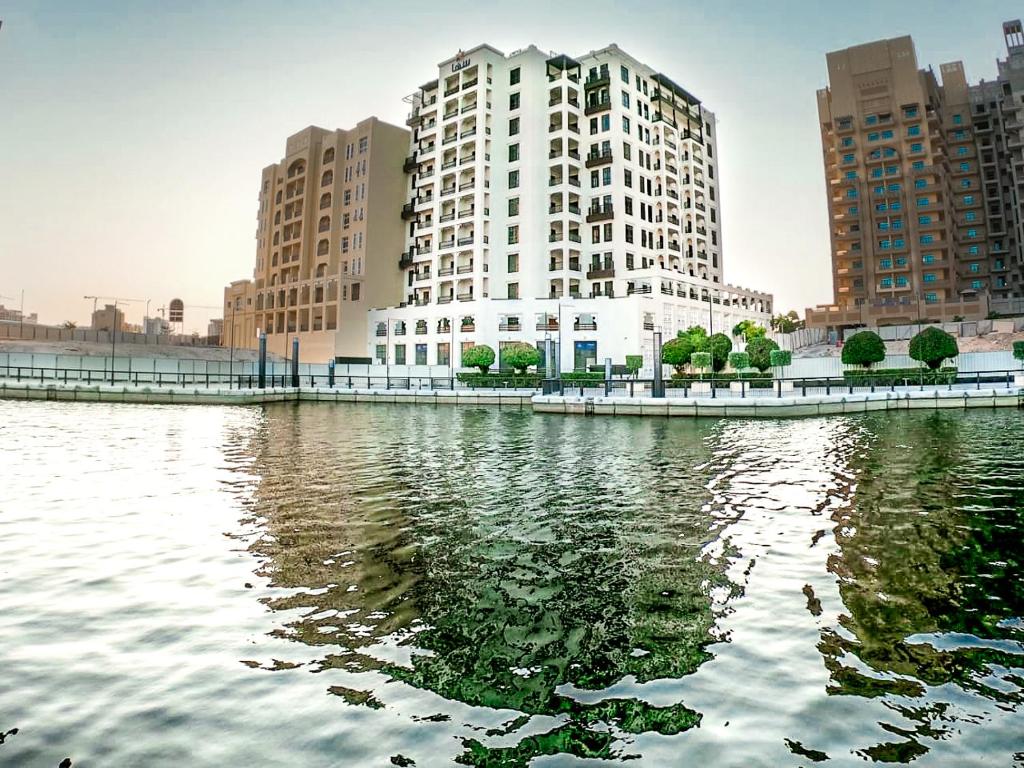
(132, 134)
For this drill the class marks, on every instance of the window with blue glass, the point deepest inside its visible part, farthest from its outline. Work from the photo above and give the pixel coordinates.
(914, 130)
(886, 134)
(895, 187)
(852, 210)
(895, 205)
(920, 183)
(901, 261)
(872, 137)
(871, 119)
(970, 216)
(961, 150)
(889, 152)
(931, 297)
(885, 245)
(883, 225)
(918, 147)
(851, 193)
(922, 202)
(848, 158)
(974, 266)
(892, 170)
(957, 119)
(898, 242)
(965, 166)
(974, 250)
(924, 219)
(930, 277)
(972, 233)
(965, 183)
(918, 165)
(928, 258)
(960, 134)
(910, 112)
(848, 141)
(976, 284)
(876, 154)
(887, 282)
(885, 263)
(879, 190)
(968, 199)
(880, 206)
(927, 239)
(901, 281)
(876, 173)
(897, 223)
(850, 175)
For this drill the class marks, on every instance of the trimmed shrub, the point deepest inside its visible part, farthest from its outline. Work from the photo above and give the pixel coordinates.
(864, 348)
(634, 363)
(780, 358)
(887, 377)
(498, 380)
(754, 379)
(760, 350)
(739, 360)
(676, 352)
(583, 376)
(480, 356)
(720, 346)
(701, 360)
(1018, 352)
(519, 356)
(933, 345)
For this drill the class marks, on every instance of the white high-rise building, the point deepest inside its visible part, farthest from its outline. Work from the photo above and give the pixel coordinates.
(571, 199)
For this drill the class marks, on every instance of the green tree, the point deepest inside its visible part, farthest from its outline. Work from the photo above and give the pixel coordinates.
(720, 346)
(701, 361)
(634, 363)
(698, 338)
(480, 356)
(748, 329)
(864, 348)
(759, 350)
(1018, 352)
(933, 345)
(739, 361)
(780, 358)
(520, 356)
(676, 352)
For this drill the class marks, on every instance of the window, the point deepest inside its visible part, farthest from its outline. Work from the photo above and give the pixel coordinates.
(513, 76)
(606, 176)
(885, 244)
(973, 250)
(886, 134)
(922, 202)
(924, 220)
(895, 187)
(960, 134)
(624, 74)
(901, 261)
(965, 183)
(513, 290)
(513, 206)
(629, 205)
(901, 281)
(873, 136)
(513, 235)
(871, 119)
(914, 130)
(513, 126)
(625, 123)
(444, 352)
(961, 150)
(355, 291)
(921, 183)
(513, 262)
(927, 239)
(629, 233)
(928, 258)
(931, 297)
(898, 242)
(848, 158)
(421, 354)
(975, 266)
(930, 277)
(364, 144)
(847, 141)
(917, 147)
(976, 284)
(965, 166)
(606, 122)
(852, 210)
(625, 100)
(972, 233)
(909, 112)
(399, 354)
(628, 178)
(513, 152)
(887, 282)
(513, 179)
(957, 119)
(968, 199)
(885, 263)
(513, 101)
(627, 151)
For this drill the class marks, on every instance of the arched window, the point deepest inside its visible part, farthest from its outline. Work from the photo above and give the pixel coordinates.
(277, 199)
(297, 168)
(327, 178)
(321, 270)
(325, 200)
(325, 224)
(329, 155)
(277, 217)
(322, 248)
(273, 279)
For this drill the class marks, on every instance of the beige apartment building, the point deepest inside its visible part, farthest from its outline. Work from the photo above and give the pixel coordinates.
(913, 181)
(328, 232)
(110, 318)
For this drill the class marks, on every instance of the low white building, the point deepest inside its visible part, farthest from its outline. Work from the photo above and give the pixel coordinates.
(562, 198)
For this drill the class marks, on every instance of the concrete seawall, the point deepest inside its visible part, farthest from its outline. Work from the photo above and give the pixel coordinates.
(770, 407)
(692, 407)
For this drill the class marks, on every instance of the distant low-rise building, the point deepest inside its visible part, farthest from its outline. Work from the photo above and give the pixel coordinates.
(110, 318)
(156, 326)
(16, 316)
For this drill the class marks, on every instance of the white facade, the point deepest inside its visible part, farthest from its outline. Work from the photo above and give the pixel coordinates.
(551, 196)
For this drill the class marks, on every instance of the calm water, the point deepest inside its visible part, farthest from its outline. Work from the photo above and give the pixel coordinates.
(376, 585)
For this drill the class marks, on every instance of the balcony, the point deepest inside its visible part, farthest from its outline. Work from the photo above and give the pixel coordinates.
(595, 159)
(447, 216)
(641, 289)
(382, 332)
(465, 297)
(600, 213)
(601, 273)
(466, 240)
(422, 276)
(596, 81)
(445, 300)
(464, 269)
(410, 164)
(584, 326)
(510, 325)
(595, 107)
(405, 260)
(548, 325)
(446, 271)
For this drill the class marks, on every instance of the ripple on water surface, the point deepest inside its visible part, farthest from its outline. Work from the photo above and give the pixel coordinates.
(376, 585)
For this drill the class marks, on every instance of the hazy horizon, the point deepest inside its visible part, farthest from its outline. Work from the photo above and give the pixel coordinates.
(132, 135)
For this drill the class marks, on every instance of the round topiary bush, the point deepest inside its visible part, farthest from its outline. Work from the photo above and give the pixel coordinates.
(864, 348)
(759, 350)
(720, 347)
(519, 356)
(480, 356)
(933, 345)
(739, 361)
(676, 352)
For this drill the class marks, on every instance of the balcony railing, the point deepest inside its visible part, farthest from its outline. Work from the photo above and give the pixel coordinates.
(596, 81)
(595, 159)
(601, 273)
(510, 326)
(597, 106)
(578, 326)
(600, 213)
